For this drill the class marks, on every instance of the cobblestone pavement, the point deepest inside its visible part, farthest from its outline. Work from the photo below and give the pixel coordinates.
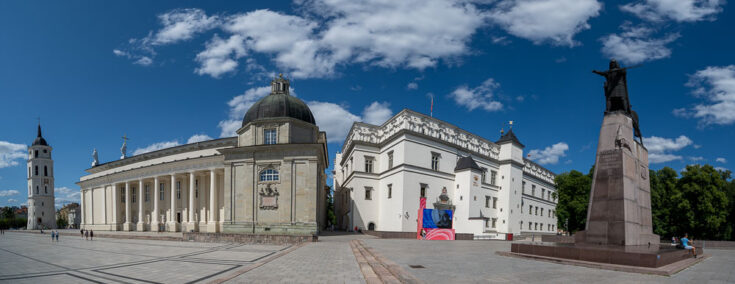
(33, 258)
(328, 261)
(476, 262)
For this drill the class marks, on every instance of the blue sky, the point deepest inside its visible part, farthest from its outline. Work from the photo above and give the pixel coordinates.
(170, 72)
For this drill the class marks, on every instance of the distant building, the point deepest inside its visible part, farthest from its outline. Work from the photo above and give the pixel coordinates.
(21, 212)
(383, 171)
(41, 211)
(71, 213)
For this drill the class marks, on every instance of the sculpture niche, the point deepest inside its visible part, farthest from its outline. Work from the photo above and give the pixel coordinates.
(616, 93)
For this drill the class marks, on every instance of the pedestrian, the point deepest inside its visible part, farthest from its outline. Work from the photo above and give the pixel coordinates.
(52, 236)
(57, 236)
(91, 235)
(86, 235)
(81, 231)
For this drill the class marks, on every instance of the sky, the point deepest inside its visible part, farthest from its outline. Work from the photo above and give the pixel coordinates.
(167, 73)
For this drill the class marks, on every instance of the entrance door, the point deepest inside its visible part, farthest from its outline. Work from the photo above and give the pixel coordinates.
(178, 217)
(39, 222)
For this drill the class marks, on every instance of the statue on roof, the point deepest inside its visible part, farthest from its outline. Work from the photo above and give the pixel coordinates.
(95, 161)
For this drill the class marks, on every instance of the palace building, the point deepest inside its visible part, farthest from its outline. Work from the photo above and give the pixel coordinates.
(270, 179)
(383, 171)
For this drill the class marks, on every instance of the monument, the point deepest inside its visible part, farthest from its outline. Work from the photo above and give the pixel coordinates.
(619, 211)
(619, 228)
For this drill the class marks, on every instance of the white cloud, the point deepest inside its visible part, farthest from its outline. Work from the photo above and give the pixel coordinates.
(63, 190)
(182, 24)
(550, 154)
(11, 200)
(155, 147)
(677, 10)
(220, 56)
(407, 34)
(334, 119)
(717, 86)
(239, 105)
(659, 148)
(10, 152)
(635, 45)
(721, 160)
(138, 59)
(5, 193)
(412, 86)
(377, 113)
(479, 97)
(198, 138)
(555, 21)
(696, 159)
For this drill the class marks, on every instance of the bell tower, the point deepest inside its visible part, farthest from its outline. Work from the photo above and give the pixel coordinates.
(41, 210)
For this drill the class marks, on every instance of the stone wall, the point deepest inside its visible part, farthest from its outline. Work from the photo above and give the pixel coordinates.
(246, 238)
(557, 239)
(410, 235)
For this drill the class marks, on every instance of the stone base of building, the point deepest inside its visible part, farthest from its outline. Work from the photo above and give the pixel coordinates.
(101, 227)
(127, 226)
(247, 238)
(172, 227)
(140, 227)
(271, 229)
(213, 227)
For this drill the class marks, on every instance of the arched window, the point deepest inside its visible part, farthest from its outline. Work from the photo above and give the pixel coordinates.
(45, 171)
(36, 189)
(45, 189)
(35, 153)
(35, 170)
(269, 175)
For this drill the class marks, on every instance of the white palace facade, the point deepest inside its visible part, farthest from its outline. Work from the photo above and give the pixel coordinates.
(270, 179)
(382, 171)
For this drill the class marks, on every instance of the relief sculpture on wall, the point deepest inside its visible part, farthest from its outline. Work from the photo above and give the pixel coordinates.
(268, 198)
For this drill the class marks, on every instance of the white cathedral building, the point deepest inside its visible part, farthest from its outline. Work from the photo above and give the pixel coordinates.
(383, 171)
(41, 210)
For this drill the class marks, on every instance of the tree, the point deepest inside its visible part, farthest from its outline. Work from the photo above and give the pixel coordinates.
(7, 213)
(702, 207)
(664, 194)
(573, 189)
(61, 222)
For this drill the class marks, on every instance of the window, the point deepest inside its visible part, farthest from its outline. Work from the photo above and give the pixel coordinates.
(484, 174)
(493, 177)
(435, 161)
(147, 193)
(368, 164)
(390, 160)
(161, 191)
(487, 201)
(536, 211)
(270, 136)
(543, 193)
(541, 227)
(423, 190)
(390, 191)
(495, 203)
(530, 210)
(368, 193)
(529, 225)
(542, 212)
(533, 189)
(494, 220)
(535, 226)
(269, 175)
(35, 153)
(45, 189)
(36, 189)
(35, 171)
(487, 223)
(523, 187)
(132, 195)
(45, 171)
(178, 190)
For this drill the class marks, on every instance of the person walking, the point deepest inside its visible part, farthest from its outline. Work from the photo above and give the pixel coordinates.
(52, 235)
(57, 236)
(86, 235)
(81, 231)
(91, 235)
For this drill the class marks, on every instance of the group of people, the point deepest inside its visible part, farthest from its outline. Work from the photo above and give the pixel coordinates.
(87, 234)
(54, 235)
(684, 243)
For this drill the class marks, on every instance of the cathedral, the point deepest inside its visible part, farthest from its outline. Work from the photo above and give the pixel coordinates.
(41, 210)
(269, 179)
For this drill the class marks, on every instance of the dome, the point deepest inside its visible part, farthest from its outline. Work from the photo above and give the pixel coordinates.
(279, 104)
(39, 139)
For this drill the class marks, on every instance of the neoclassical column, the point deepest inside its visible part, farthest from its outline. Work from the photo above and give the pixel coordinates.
(212, 224)
(172, 220)
(128, 225)
(115, 221)
(156, 196)
(84, 215)
(91, 204)
(192, 181)
(141, 201)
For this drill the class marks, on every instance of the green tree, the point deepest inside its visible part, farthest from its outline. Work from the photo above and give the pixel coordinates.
(702, 207)
(7, 213)
(664, 194)
(61, 223)
(573, 189)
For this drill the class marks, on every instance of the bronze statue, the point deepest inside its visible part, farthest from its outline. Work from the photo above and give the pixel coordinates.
(616, 93)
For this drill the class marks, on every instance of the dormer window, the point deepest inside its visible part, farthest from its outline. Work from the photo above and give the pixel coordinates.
(270, 136)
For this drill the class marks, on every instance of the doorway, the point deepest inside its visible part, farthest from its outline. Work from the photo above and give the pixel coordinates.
(178, 217)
